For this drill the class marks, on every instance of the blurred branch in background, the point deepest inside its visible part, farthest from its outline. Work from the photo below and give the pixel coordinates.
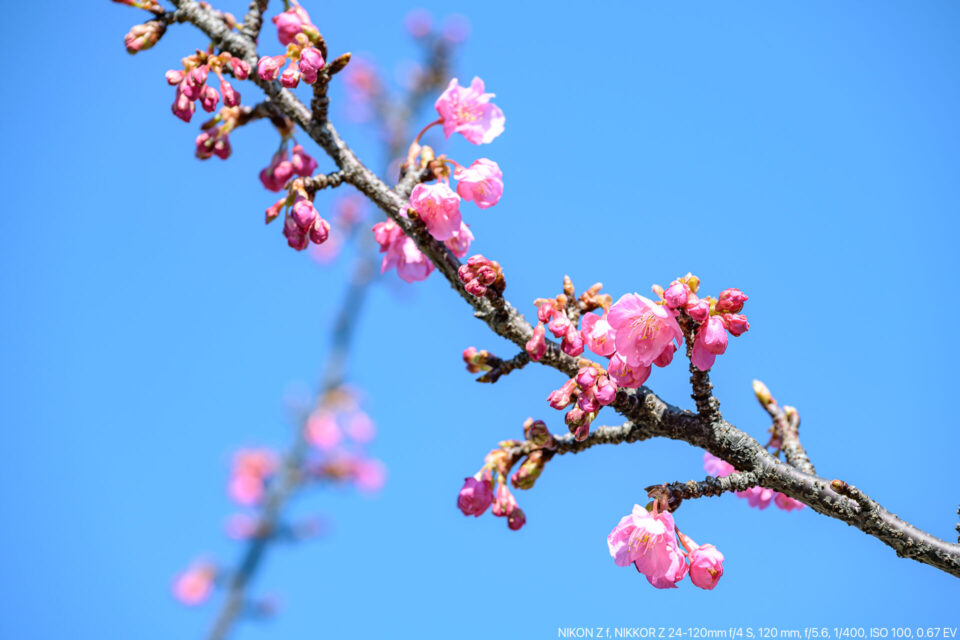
(259, 478)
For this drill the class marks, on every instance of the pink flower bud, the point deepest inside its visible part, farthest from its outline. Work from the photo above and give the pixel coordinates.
(183, 107)
(304, 214)
(504, 503)
(197, 77)
(735, 323)
(143, 36)
(572, 344)
(274, 210)
(475, 497)
(536, 347)
(676, 295)
(731, 301)
(559, 324)
(587, 401)
(290, 23)
(295, 237)
(699, 310)
(706, 566)
(231, 97)
(578, 421)
(516, 519)
(711, 341)
(290, 77)
(311, 61)
(606, 390)
(480, 274)
(209, 97)
(586, 376)
(204, 145)
(303, 164)
(174, 76)
(320, 231)
(241, 69)
(268, 67)
(275, 175)
(562, 397)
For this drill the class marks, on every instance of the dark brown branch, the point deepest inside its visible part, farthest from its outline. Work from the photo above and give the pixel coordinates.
(651, 415)
(503, 367)
(672, 494)
(707, 404)
(323, 181)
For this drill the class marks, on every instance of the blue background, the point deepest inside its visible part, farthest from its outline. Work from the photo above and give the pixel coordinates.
(805, 152)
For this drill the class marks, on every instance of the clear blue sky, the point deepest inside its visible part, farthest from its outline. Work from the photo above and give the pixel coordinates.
(805, 152)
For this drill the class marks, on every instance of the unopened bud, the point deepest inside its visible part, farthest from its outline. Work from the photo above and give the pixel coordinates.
(763, 393)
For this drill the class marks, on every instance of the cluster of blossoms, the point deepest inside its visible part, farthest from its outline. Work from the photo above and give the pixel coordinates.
(299, 35)
(649, 541)
(759, 497)
(302, 224)
(339, 433)
(635, 333)
(714, 317)
(489, 485)
(191, 82)
(467, 111)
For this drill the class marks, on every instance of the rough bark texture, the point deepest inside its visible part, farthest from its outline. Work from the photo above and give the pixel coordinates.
(648, 415)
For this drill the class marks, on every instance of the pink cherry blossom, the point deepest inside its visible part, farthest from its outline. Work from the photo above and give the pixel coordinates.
(758, 497)
(675, 569)
(439, 208)
(715, 466)
(787, 503)
(290, 23)
(479, 274)
(322, 430)
(598, 335)
(241, 68)
(643, 329)
(711, 341)
(666, 356)
(468, 111)
(625, 375)
(481, 183)
(143, 36)
(401, 252)
(562, 397)
(460, 243)
(194, 585)
(475, 496)
(311, 61)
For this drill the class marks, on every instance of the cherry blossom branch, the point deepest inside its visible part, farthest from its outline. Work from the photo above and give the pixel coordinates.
(786, 424)
(290, 475)
(672, 494)
(640, 406)
(503, 367)
(253, 21)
